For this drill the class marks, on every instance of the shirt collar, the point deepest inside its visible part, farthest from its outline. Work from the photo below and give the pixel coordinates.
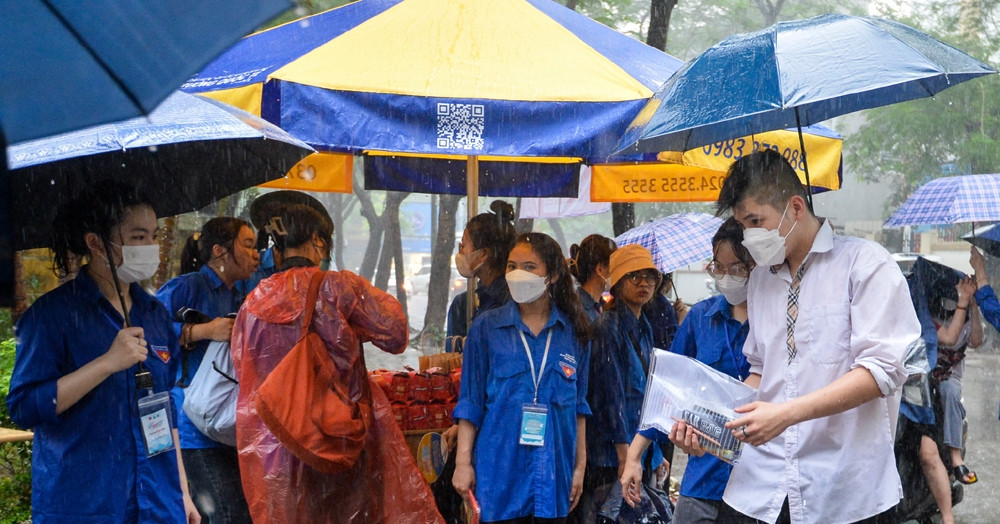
(213, 279)
(88, 289)
(718, 305)
(510, 316)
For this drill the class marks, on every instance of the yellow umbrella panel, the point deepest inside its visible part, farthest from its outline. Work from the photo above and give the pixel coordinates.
(696, 175)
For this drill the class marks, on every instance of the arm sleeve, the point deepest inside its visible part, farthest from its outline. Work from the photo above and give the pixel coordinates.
(376, 315)
(471, 404)
(684, 341)
(32, 397)
(173, 295)
(608, 400)
(583, 381)
(989, 307)
(883, 322)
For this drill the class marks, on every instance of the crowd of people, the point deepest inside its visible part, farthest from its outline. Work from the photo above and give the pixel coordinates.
(554, 374)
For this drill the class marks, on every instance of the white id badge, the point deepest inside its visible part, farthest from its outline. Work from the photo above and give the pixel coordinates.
(533, 420)
(154, 413)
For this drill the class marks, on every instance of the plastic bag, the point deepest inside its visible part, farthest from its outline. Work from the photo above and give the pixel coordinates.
(917, 388)
(682, 388)
(654, 507)
(210, 399)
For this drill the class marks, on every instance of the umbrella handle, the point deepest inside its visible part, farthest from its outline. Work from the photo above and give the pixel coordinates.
(805, 165)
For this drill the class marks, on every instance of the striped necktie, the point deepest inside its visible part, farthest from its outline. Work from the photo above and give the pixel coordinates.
(793, 311)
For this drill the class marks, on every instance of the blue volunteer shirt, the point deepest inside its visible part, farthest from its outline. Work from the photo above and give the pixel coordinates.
(615, 366)
(89, 463)
(710, 335)
(514, 480)
(205, 291)
(590, 306)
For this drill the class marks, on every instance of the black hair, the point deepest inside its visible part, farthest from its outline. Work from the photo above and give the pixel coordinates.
(561, 284)
(494, 230)
(731, 232)
(297, 224)
(585, 257)
(97, 209)
(764, 176)
(222, 231)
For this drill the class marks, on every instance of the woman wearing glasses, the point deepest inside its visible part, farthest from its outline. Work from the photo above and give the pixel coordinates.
(622, 343)
(713, 333)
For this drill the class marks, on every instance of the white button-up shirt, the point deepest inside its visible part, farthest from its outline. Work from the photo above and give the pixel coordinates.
(854, 311)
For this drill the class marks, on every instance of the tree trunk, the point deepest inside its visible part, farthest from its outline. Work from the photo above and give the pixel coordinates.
(394, 234)
(522, 225)
(440, 280)
(390, 213)
(659, 23)
(770, 10)
(622, 217)
(343, 206)
(168, 252)
(375, 229)
(20, 290)
(571, 4)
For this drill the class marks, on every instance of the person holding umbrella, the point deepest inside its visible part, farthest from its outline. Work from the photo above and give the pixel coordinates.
(830, 321)
(212, 263)
(90, 355)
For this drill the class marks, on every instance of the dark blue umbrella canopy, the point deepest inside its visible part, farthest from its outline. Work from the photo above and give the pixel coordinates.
(69, 64)
(795, 73)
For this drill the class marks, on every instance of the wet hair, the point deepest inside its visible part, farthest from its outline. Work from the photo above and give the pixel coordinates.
(97, 209)
(561, 284)
(585, 257)
(764, 176)
(298, 222)
(222, 231)
(731, 232)
(494, 230)
(666, 279)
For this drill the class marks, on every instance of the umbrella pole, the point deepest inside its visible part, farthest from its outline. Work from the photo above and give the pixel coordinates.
(472, 209)
(805, 165)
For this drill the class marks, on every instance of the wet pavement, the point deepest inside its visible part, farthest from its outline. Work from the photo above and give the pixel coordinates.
(981, 396)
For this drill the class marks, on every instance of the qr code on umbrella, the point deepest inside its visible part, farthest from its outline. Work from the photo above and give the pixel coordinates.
(460, 126)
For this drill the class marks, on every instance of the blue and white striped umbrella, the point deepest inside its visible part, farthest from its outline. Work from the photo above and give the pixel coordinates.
(950, 200)
(675, 241)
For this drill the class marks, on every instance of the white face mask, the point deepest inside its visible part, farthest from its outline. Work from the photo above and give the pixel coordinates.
(767, 246)
(138, 263)
(525, 286)
(734, 290)
(463, 267)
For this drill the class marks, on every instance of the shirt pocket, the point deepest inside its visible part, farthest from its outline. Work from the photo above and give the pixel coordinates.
(823, 333)
(562, 379)
(513, 379)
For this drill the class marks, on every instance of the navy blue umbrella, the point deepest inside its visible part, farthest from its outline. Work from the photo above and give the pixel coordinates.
(67, 64)
(986, 238)
(794, 74)
(189, 152)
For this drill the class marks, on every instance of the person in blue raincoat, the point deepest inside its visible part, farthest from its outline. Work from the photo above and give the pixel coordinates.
(588, 262)
(713, 332)
(622, 343)
(74, 379)
(212, 263)
(522, 403)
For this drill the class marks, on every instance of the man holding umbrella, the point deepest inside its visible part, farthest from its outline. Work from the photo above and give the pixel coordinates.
(830, 320)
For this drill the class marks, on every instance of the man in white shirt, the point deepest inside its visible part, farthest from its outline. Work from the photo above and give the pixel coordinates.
(830, 320)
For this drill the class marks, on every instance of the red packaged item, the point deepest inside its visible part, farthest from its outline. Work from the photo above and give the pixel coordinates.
(456, 383)
(441, 387)
(439, 415)
(417, 418)
(401, 413)
(399, 387)
(419, 388)
(382, 378)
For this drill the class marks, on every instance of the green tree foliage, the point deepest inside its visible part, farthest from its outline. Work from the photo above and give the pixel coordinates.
(15, 457)
(956, 132)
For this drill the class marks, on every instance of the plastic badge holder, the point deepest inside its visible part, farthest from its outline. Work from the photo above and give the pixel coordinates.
(157, 428)
(682, 388)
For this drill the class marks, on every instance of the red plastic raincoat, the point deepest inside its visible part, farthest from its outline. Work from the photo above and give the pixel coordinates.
(385, 485)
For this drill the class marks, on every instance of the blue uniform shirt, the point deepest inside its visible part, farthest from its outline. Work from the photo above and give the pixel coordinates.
(514, 480)
(621, 377)
(205, 291)
(89, 463)
(711, 335)
(590, 306)
(662, 318)
(986, 299)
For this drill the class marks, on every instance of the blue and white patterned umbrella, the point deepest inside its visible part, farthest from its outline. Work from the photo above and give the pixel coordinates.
(675, 241)
(950, 200)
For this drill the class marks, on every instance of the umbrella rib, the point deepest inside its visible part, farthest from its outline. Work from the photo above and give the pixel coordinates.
(93, 54)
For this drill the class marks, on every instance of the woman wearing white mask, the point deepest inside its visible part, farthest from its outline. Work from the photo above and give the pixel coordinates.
(212, 262)
(91, 354)
(588, 263)
(623, 341)
(482, 253)
(522, 405)
(713, 333)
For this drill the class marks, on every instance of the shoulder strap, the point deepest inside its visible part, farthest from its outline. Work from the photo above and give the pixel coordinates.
(314, 283)
(638, 352)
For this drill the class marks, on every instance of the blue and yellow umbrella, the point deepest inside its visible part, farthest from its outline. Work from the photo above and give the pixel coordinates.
(501, 80)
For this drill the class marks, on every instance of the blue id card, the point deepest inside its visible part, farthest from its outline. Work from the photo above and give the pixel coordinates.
(533, 420)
